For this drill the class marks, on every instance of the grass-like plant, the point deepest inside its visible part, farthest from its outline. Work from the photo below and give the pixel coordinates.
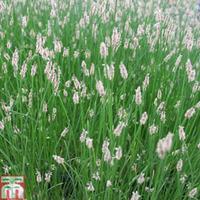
(101, 99)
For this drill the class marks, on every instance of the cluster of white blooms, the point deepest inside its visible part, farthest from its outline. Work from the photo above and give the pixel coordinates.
(196, 87)
(197, 106)
(92, 69)
(53, 74)
(181, 133)
(57, 46)
(79, 89)
(109, 71)
(84, 68)
(6, 169)
(164, 145)
(38, 177)
(75, 97)
(2, 6)
(178, 60)
(135, 196)
(188, 39)
(54, 113)
(24, 21)
(47, 177)
(190, 112)
(106, 152)
(1, 125)
(191, 73)
(90, 187)
(116, 39)
(153, 129)
(64, 132)
(161, 108)
(193, 193)
(40, 49)
(100, 88)
(138, 96)
(168, 57)
(44, 107)
(141, 179)
(123, 71)
(65, 52)
(83, 136)
(144, 118)
(15, 60)
(145, 82)
(30, 99)
(179, 165)
(96, 176)
(23, 70)
(88, 141)
(119, 128)
(33, 70)
(122, 114)
(118, 154)
(58, 159)
(108, 183)
(103, 50)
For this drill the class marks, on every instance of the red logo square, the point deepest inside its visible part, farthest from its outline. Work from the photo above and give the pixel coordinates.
(12, 188)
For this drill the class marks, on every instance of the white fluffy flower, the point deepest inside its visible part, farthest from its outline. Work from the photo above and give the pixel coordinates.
(164, 145)
(89, 143)
(141, 179)
(181, 133)
(64, 132)
(58, 159)
(75, 98)
(118, 154)
(138, 96)
(135, 196)
(103, 50)
(153, 129)
(108, 183)
(109, 71)
(100, 88)
(83, 136)
(192, 193)
(90, 187)
(189, 113)
(1, 125)
(38, 177)
(179, 165)
(119, 128)
(123, 71)
(144, 118)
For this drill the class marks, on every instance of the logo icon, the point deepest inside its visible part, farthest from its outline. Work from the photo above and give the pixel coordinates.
(12, 188)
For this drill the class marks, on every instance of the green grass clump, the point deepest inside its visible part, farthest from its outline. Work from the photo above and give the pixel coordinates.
(101, 99)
